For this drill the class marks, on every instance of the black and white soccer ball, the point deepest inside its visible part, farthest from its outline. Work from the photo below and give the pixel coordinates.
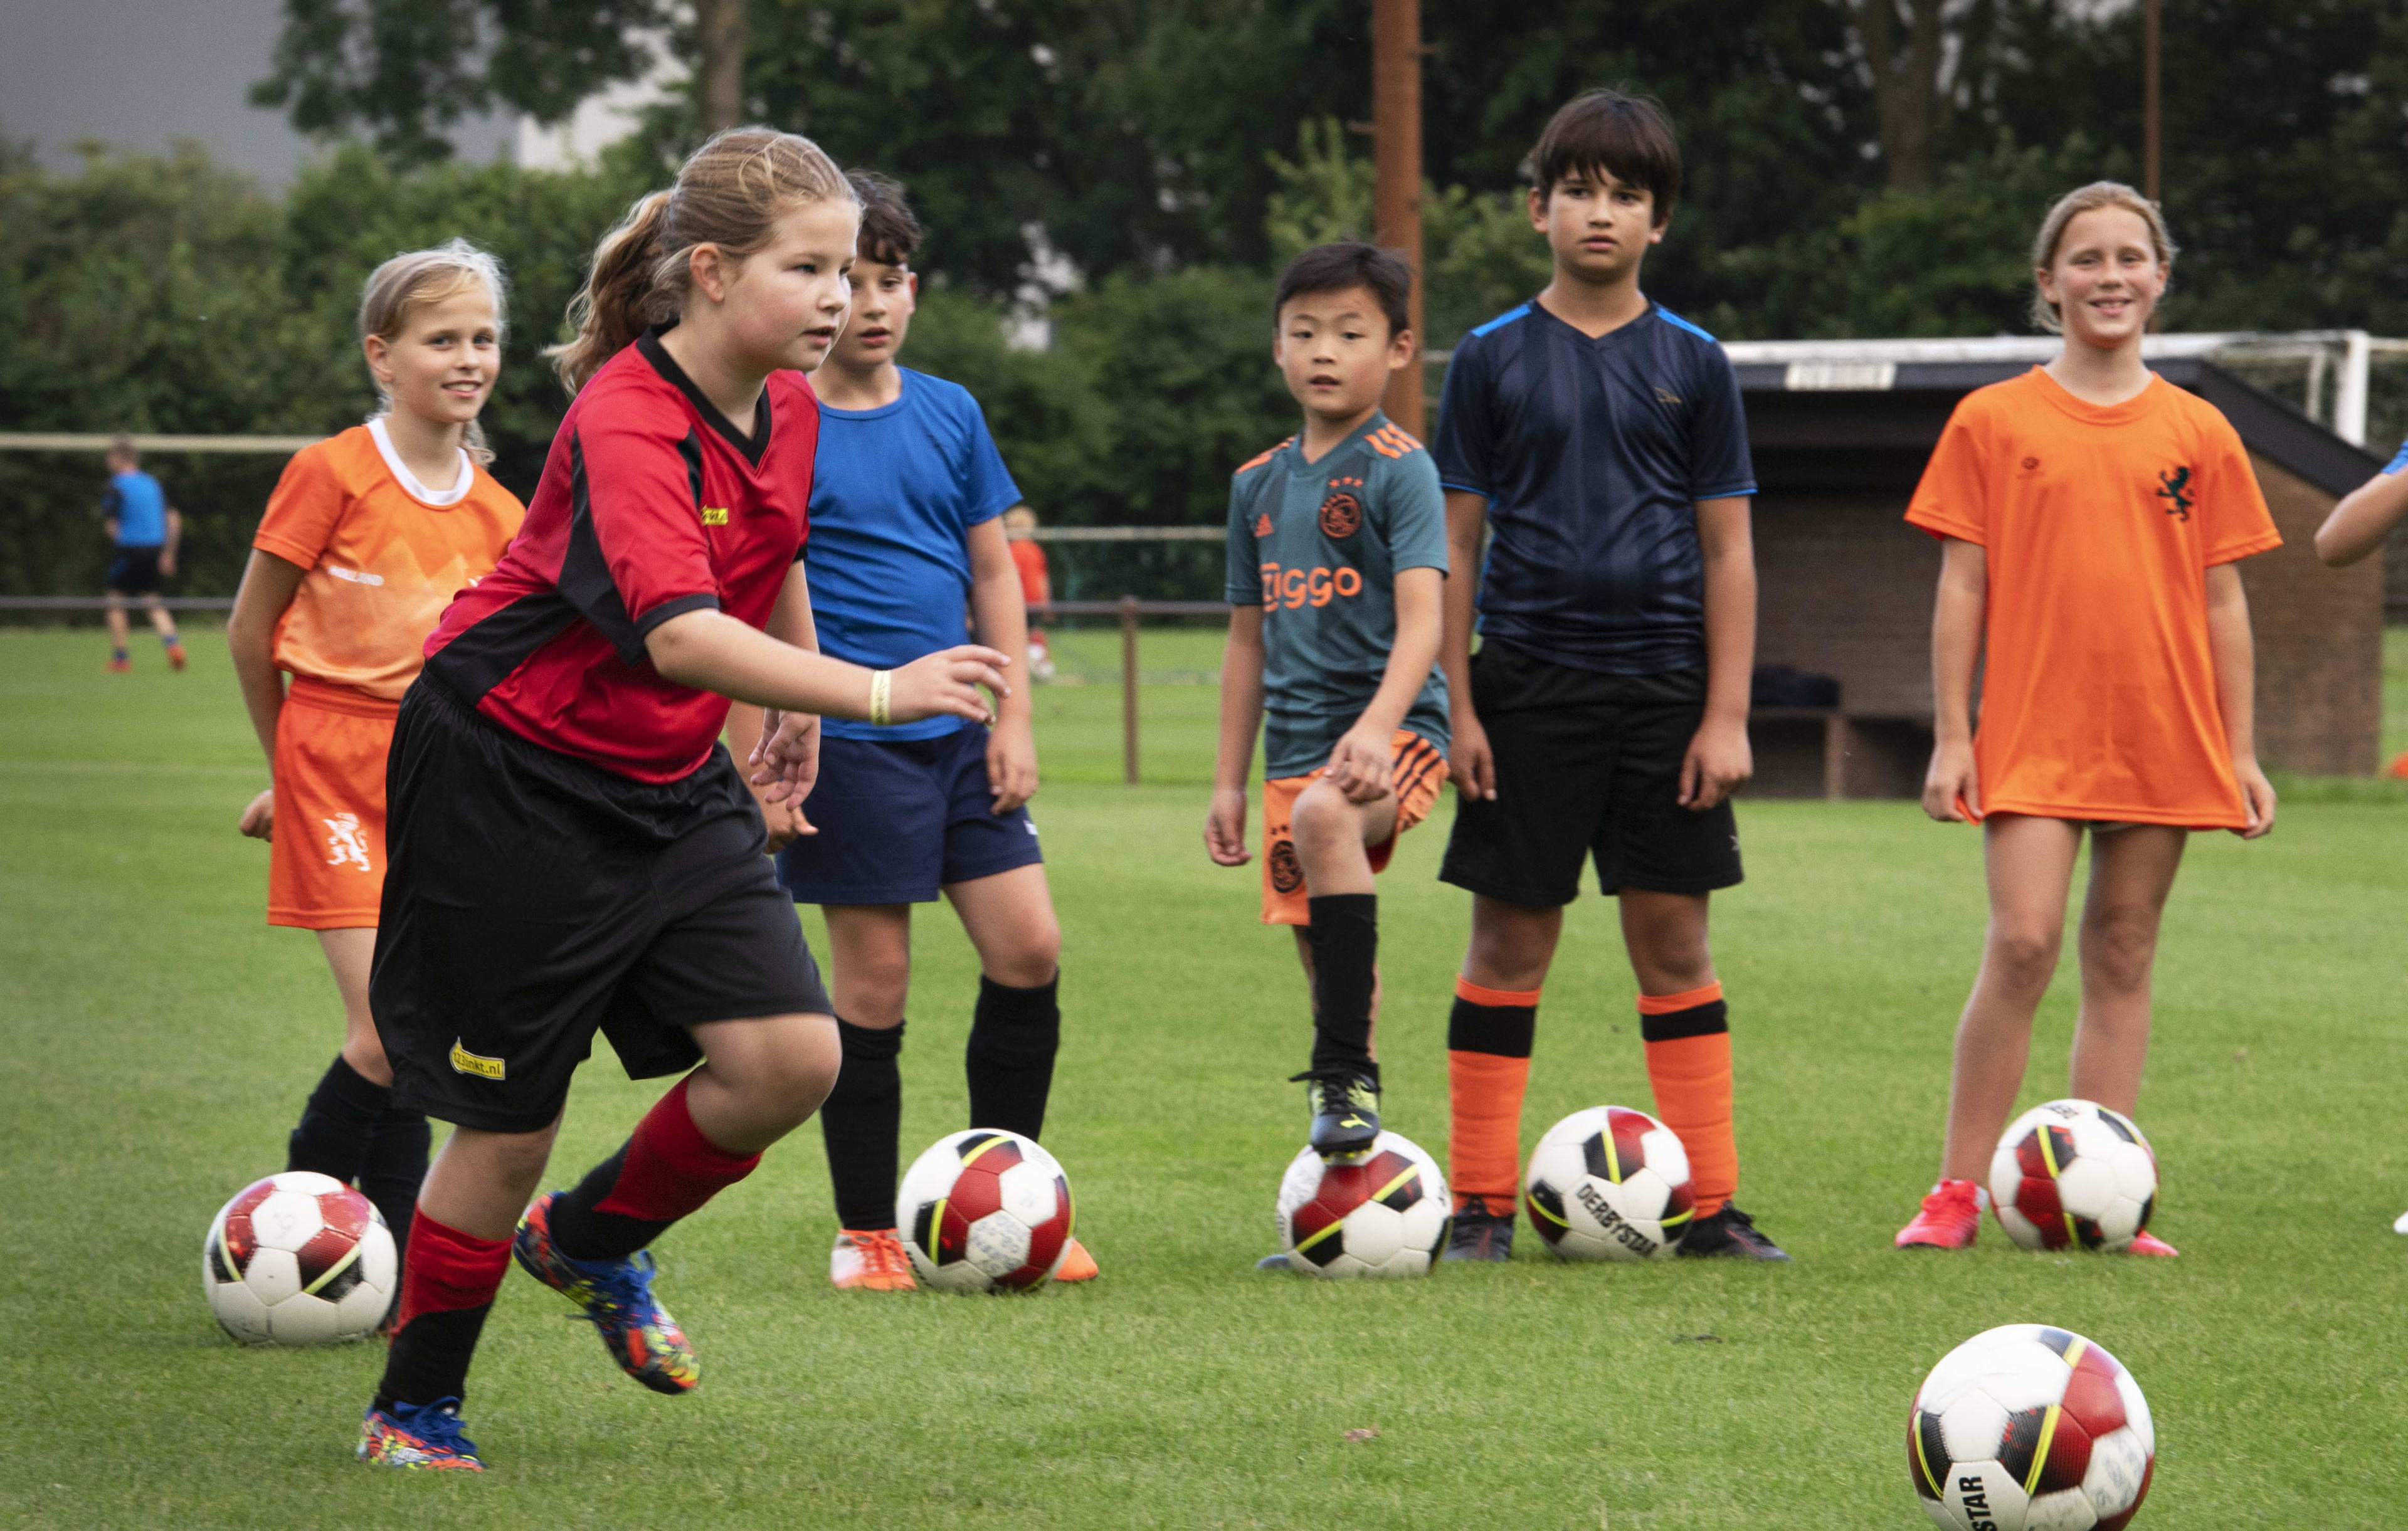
(299, 1259)
(2030, 1429)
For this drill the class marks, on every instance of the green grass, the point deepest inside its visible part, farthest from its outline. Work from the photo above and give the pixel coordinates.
(156, 1040)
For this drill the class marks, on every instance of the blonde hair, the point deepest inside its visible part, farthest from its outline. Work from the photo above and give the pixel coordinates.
(408, 282)
(729, 193)
(2083, 199)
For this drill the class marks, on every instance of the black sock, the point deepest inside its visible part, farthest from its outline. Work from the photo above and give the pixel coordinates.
(337, 1124)
(395, 1167)
(862, 1123)
(1345, 938)
(429, 1356)
(581, 1231)
(1014, 1035)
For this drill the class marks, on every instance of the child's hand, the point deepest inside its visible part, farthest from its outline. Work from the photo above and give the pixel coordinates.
(1951, 787)
(1012, 764)
(785, 767)
(1718, 760)
(1469, 761)
(2258, 796)
(1225, 828)
(946, 684)
(1359, 764)
(259, 819)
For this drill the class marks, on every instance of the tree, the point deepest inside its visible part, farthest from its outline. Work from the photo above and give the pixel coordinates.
(1921, 64)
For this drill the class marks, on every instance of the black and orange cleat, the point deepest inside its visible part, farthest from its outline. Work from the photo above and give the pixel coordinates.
(1728, 1234)
(1481, 1234)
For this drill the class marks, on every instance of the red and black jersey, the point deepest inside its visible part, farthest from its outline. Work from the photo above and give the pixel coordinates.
(652, 504)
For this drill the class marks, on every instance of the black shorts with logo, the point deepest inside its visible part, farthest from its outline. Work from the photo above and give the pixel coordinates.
(532, 900)
(1588, 767)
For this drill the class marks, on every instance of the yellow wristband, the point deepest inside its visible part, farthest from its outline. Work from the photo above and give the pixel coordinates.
(880, 685)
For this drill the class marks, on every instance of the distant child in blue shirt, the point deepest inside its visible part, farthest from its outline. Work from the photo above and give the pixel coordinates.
(145, 529)
(906, 530)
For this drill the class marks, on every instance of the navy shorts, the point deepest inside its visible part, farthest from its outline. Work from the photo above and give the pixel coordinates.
(135, 571)
(901, 818)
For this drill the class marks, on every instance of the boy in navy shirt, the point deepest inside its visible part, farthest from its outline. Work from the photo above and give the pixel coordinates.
(145, 529)
(1337, 556)
(1600, 438)
(907, 529)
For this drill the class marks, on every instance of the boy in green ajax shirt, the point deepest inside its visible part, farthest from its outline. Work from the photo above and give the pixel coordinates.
(1336, 560)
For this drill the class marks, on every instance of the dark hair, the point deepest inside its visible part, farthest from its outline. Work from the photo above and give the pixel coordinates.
(1351, 263)
(120, 449)
(1629, 137)
(889, 232)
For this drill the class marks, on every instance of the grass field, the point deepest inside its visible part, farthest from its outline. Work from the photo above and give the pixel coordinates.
(156, 1040)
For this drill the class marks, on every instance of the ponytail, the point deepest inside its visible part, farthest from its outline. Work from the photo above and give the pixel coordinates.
(729, 193)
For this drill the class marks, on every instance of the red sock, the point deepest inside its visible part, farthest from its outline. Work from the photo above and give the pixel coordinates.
(1689, 1064)
(667, 1170)
(447, 1282)
(1487, 1069)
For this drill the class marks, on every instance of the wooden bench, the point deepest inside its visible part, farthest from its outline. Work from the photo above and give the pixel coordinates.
(1861, 755)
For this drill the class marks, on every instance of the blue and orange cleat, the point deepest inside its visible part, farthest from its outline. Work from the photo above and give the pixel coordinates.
(421, 1438)
(617, 1300)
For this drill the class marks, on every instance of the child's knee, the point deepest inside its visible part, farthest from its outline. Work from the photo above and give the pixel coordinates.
(2120, 946)
(2023, 956)
(1031, 960)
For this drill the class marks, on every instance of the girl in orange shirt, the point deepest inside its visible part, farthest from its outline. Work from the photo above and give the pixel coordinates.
(366, 540)
(2093, 516)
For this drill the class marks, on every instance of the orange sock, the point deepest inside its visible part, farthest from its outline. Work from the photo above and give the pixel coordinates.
(1487, 1068)
(1689, 1064)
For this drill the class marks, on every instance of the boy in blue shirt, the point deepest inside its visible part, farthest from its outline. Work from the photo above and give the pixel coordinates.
(145, 529)
(906, 527)
(1337, 558)
(1601, 439)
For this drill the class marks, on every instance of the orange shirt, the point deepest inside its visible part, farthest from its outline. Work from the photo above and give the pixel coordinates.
(1028, 557)
(2097, 695)
(382, 561)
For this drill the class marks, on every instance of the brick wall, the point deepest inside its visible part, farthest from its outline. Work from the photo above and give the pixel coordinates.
(1845, 590)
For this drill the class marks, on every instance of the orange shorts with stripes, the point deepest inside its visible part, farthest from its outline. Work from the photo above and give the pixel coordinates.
(1417, 769)
(325, 864)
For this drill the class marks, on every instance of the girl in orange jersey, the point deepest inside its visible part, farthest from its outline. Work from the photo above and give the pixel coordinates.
(2093, 517)
(366, 540)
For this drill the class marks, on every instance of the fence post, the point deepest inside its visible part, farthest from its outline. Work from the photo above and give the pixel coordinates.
(1128, 689)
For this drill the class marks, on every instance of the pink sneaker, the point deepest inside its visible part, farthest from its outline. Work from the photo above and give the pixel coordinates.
(1950, 1218)
(2149, 1243)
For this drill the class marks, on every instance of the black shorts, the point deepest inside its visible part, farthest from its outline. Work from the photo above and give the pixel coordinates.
(135, 571)
(532, 900)
(1589, 765)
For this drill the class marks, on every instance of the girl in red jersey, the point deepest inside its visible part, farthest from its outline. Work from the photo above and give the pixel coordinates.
(572, 851)
(2094, 517)
(366, 540)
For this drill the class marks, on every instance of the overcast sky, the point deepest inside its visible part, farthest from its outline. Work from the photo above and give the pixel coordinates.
(143, 72)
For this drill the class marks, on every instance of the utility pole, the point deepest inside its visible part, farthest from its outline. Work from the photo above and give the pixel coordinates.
(1397, 174)
(2153, 127)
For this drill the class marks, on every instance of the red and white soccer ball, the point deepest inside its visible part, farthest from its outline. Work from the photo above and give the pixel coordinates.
(299, 1259)
(2030, 1428)
(1609, 1183)
(2073, 1173)
(1381, 1213)
(984, 1210)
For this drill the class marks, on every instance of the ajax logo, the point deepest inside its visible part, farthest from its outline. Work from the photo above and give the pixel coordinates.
(1288, 871)
(348, 842)
(1342, 514)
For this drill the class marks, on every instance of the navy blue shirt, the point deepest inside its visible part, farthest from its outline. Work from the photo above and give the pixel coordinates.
(894, 496)
(1592, 454)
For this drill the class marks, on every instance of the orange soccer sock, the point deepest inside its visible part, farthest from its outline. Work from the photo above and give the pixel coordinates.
(1689, 1064)
(1487, 1068)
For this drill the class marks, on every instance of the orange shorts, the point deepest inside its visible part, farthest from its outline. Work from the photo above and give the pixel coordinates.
(1418, 770)
(325, 864)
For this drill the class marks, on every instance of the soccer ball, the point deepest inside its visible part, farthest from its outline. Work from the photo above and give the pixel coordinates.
(299, 1259)
(984, 1210)
(1609, 1183)
(2070, 1172)
(2030, 1428)
(1383, 1213)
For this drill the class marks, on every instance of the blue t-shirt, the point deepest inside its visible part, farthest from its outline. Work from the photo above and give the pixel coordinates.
(139, 506)
(1592, 454)
(894, 494)
(1318, 546)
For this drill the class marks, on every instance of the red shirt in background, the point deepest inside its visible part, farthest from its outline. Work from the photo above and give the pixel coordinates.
(1028, 557)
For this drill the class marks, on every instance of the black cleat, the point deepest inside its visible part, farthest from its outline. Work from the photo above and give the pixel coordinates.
(1345, 1109)
(1728, 1234)
(1481, 1234)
